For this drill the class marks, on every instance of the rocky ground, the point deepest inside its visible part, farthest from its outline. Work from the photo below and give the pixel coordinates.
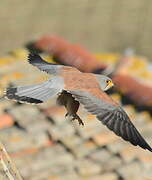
(45, 146)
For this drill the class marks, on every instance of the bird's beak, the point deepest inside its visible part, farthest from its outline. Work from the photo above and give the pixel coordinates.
(109, 85)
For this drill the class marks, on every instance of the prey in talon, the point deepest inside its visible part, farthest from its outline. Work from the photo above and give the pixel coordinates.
(71, 106)
(72, 88)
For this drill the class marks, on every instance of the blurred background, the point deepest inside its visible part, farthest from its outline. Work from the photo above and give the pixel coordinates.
(108, 37)
(101, 26)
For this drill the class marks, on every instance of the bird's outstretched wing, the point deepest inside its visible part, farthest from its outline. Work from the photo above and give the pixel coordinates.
(37, 93)
(50, 68)
(111, 115)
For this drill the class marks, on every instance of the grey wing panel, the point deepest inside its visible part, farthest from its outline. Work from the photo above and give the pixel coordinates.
(41, 92)
(37, 61)
(114, 117)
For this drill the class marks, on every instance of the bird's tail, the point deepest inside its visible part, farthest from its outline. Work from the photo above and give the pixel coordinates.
(35, 94)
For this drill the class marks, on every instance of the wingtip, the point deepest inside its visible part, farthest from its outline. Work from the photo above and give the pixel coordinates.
(146, 146)
(32, 57)
(32, 47)
(149, 148)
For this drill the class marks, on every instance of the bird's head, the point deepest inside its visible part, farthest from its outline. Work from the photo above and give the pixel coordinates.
(105, 82)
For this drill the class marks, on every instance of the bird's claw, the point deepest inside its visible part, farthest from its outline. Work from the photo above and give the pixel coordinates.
(80, 122)
(75, 117)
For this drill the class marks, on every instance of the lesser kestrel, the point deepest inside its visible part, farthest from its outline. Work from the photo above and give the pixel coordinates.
(74, 87)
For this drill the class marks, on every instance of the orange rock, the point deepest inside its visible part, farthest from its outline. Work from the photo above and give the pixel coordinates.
(6, 121)
(31, 150)
(105, 138)
(138, 92)
(55, 110)
(145, 158)
(69, 54)
(129, 153)
(77, 56)
(51, 43)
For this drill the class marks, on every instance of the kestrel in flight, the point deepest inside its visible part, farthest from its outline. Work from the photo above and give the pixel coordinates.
(74, 87)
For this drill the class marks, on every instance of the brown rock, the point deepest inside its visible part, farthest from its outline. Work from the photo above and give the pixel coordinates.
(106, 176)
(101, 156)
(84, 149)
(87, 168)
(117, 146)
(131, 171)
(56, 113)
(112, 164)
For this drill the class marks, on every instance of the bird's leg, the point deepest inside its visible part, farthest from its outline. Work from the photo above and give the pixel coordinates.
(76, 117)
(72, 107)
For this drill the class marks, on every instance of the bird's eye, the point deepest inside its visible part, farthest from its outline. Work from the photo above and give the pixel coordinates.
(107, 81)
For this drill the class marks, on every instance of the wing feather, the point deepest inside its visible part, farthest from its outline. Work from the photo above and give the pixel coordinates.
(42, 65)
(49, 68)
(113, 116)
